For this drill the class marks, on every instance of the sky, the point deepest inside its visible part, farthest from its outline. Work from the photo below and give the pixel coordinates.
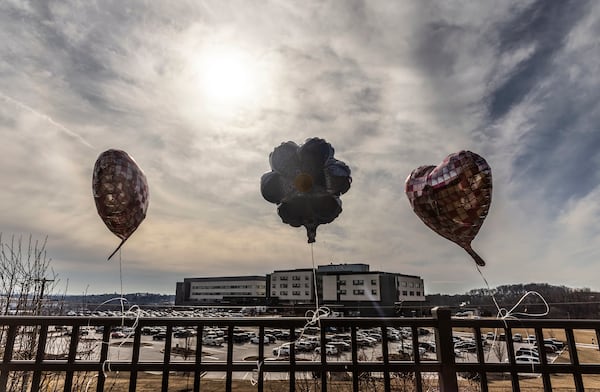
(199, 93)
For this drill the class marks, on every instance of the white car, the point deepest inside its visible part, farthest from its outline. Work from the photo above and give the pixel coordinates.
(282, 351)
(329, 350)
(212, 340)
(527, 359)
(256, 340)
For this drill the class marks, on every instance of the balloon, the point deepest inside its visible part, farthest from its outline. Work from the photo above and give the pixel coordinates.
(120, 192)
(453, 198)
(306, 182)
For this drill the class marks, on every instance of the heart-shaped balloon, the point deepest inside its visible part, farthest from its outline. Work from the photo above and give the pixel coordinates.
(121, 193)
(453, 198)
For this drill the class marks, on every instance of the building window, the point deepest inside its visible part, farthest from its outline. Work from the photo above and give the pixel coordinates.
(418, 285)
(295, 293)
(418, 293)
(342, 292)
(305, 277)
(273, 293)
(374, 292)
(284, 293)
(306, 285)
(274, 285)
(358, 282)
(342, 282)
(283, 278)
(296, 285)
(306, 293)
(403, 284)
(295, 277)
(273, 277)
(404, 292)
(358, 292)
(412, 284)
(283, 285)
(412, 293)
(373, 282)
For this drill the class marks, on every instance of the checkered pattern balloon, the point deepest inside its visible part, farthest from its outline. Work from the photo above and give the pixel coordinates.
(121, 193)
(453, 198)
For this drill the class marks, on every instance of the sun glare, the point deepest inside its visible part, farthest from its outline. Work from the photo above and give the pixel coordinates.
(229, 77)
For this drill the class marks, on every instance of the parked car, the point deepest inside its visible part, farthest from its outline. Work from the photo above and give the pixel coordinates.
(256, 340)
(159, 336)
(117, 335)
(527, 359)
(530, 351)
(428, 346)
(329, 350)
(517, 337)
(282, 351)
(341, 346)
(212, 340)
(465, 346)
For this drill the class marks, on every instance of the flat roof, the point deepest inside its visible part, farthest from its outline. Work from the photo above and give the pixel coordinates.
(226, 278)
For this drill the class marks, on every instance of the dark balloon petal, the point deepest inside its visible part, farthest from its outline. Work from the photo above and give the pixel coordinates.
(326, 208)
(337, 177)
(284, 159)
(271, 187)
(313, 155)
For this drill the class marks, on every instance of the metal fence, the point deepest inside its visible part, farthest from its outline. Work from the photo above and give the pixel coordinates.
(28, 356)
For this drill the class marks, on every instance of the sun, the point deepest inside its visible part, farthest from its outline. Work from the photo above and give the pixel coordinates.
(229, 77)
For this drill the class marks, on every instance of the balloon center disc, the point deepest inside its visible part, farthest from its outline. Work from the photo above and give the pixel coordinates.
(303, 182)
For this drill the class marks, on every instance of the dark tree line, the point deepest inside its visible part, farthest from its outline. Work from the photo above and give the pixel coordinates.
(563, 302)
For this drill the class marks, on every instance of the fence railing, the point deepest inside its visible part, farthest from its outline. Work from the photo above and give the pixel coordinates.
(79, 353)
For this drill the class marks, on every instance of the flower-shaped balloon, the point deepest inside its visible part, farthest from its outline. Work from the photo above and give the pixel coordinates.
(305, 182)
(120, 192)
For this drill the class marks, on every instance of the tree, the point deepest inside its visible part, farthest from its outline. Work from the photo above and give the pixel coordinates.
(26, 281)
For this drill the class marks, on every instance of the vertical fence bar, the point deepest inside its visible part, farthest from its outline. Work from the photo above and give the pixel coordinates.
(39, 357)
(445, 348)
(103, 357)
(574, 360)
(539, 335)
(386, 358)
(354, 347)
(324, 372)
(510, 348)
(483, 383)
(292, 360)
(8, 352)
(228, 379)
(417, 357)
(167, 358)
(71, 358)
(135, 357)
(198, 358)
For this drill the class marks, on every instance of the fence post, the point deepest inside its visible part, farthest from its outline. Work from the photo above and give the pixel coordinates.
(445, 350)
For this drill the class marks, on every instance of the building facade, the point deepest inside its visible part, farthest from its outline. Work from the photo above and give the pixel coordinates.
(291, 286)
(235, 290)
(346, 289)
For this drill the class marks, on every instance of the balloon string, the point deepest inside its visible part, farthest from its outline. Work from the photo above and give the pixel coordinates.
(505, 314)
(312, 256)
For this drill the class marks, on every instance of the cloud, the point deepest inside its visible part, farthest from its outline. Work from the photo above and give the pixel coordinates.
(391, 86)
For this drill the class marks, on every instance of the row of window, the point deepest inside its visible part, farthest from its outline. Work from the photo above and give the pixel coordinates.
(274, 293)
(358, 292)
(227, 293)
(409, 284)
(358, 282)
(241, 286)
(285, 285)
(411, 293)
(294, 277)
